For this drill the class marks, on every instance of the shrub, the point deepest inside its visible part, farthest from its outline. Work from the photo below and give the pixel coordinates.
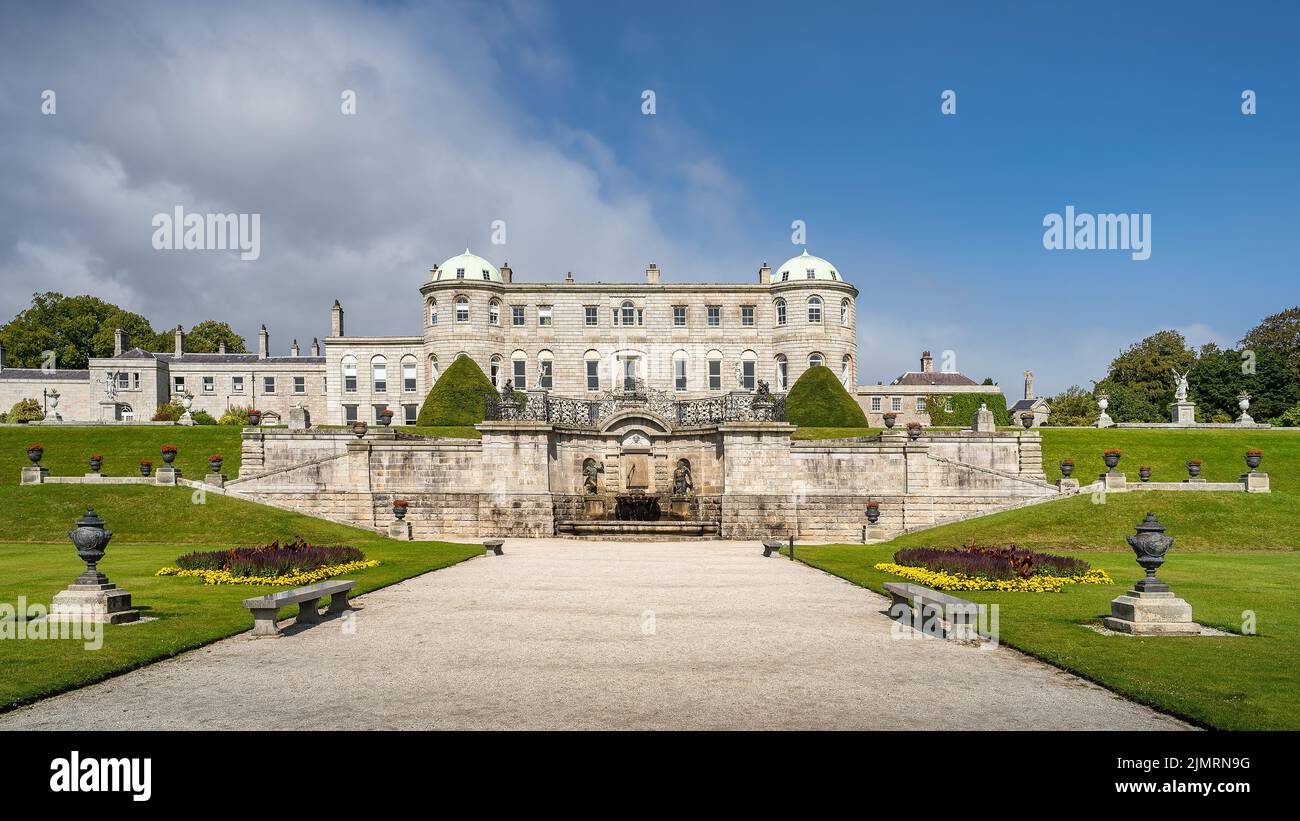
(964, 406)
(1289, 419)
(459, 396)
(168, 413)
(272, 559)
(203, 418)
(25, 410)
(1008, 562)
(818, 399)
(235, 415)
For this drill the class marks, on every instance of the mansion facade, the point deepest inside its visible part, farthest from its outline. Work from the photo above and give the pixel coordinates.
(576, 339)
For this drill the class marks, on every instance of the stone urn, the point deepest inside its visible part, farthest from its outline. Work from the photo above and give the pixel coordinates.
(215, 463)
(35, 452)
(1111, 458)
(91, 540)
(359, 429)
(914, 431)
(169, 453)
(386, 417)
(1253, 458)
(1027, 419)
(1150, 544)
(889, 420)
(146, 468)
(873, 512)
(255, 417)
(399, 508)
(95, 463)
(1067, 468)
(1144, 473)
(1194, 468)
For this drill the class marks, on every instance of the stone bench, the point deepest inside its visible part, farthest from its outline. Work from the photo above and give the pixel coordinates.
(492, 546)
(955, 615)
(266, 608)
(772, 549)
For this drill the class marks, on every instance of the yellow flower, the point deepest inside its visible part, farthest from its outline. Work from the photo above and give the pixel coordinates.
(294, 579)
(939, 580)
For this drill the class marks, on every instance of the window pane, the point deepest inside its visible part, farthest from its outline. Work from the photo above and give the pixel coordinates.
(521, 369)
(593, 375)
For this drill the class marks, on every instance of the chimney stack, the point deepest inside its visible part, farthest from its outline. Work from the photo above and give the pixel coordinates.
(179, 336)
(263, 343)
(507, 275)
(221, 347)
(315, 346)
(927, 363)
(293, 349)
(120, 342)
(652, 274)
(1029, 384)
(765, 274)
(336, 319)
(568, 278)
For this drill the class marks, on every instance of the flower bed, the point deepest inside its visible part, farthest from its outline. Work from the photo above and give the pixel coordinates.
(991, 568)
(940, 580)
(295, 563)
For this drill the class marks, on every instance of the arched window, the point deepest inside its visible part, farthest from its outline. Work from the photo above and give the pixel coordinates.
(494, 370)
(462, 309)
(494, 312)
(349, 374)
(782, 372)
(546, 370)
(434, 371)
(408, 374)
(714, 359)
(846, 369)
(433, 312)
(680, 360)
(844, 312)
(379, 374)
(780, 312)
(125, 412)
(629, 313)
(816, 360)
(748, 370)
(814, 309)
(519, 370)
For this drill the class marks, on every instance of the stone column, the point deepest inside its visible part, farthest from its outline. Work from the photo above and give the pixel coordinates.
(1030, 445)
(252, 453)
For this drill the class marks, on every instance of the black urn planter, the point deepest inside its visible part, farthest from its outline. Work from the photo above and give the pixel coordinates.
(889, 421)
(35, 455)
(1149, 546)
(1144, 473)
(169, 456)
(873, 514)
(95, 464)
(1111, 460)
(1193, 469)
(254, 418)
(215, 464)
(1067, 469)
(90, 538)
(399, 511)
(145, 469)
(1027, 419)
(1253, 460)
(386, 418)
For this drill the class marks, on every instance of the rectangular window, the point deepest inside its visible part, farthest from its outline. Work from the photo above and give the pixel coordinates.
(380, 377)
(268, 384)
(715, 374)
(379, 411)
(410, 414)
(209, 384)
(747, 315)
(495, 372)
(135, 381)
(920, 404)
(543, 315)
(408, 377)
(349, 413)
(593, 375)
(715, 316)
(748, 370)
(589, 313)
(896, 404)
(521, 372)
(516, 315)
(236, 384)
(875, 403)
(462, 311)
(123, 380)
(780, 312)
(178, 384)
(629, 314)
(679, 374)
(349, 378)
(545, 369)
(679, 316)
(300, 384)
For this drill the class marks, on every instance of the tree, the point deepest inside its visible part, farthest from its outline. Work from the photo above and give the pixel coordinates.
(1279, 333)
(458, 397)
(207, 336)
(1145, 372)
(1217, 380)
(1130, 405)
(818, 399)
(75, 328)
(1074, 407)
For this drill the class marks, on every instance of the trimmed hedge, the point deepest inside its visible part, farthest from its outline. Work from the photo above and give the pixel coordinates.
(458, 397)
(964, 407)
(818, 399)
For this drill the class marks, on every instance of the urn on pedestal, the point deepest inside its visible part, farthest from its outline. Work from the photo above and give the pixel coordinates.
(1150, 608)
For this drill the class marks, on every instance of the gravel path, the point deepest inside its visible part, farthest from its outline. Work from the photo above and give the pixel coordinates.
(575, 634)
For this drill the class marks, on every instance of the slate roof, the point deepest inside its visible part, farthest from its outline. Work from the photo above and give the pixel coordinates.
(37, 373)
(222, 358)
(938, 378)
(1025, 404)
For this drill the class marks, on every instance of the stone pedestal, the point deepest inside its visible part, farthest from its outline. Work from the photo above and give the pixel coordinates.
(1104, 420)
(1151, 613)
(493, 547)
(99, 603)
(984, 421)
(186, 419)
(1183, 413)
(1255, 482)
(400, 530)
(1067, 485)
(299, 418)
(594, 507)
(874, 533)
(217, 480)
(1245, 419)
(680, 507)
(166, 475)
(34, 474)
(1114, 482)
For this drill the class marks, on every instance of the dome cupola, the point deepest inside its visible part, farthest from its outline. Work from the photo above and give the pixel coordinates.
(467, 266)
(805, 267)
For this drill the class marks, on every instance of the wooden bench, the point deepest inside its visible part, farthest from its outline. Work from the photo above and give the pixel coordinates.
(266, 608)
(954, 615)
(492, 546)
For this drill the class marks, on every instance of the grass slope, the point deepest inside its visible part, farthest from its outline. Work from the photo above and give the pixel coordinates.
(67, 449)
(152, 526)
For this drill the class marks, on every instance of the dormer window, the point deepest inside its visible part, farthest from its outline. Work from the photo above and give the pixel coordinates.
(812, 273)
(785, 276)
(834, 276)
(487, 276)
(460, 273)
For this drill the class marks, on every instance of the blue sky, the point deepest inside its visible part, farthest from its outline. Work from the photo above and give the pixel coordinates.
(766, 113)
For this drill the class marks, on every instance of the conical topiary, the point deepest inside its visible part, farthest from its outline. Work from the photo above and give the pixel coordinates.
(458, 397)
(818, 399)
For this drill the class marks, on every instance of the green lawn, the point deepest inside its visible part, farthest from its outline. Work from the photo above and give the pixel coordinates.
(151, 527)
(1239, 682)
(68, 449)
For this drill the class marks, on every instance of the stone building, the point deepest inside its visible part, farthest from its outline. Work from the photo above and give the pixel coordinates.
(907, 396)
(1031, 404)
